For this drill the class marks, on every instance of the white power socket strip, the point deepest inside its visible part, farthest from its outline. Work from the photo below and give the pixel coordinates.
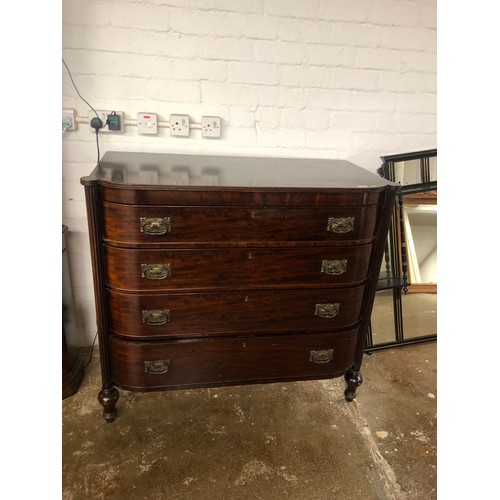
(103, 115)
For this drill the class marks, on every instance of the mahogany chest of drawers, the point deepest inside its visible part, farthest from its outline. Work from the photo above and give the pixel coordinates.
(212, 270)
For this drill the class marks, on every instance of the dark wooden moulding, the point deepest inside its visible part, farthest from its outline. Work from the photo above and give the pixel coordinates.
(248, 285)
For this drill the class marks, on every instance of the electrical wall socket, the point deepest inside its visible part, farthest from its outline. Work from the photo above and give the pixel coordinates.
(147, 123)
(103, 115)
(179, 125)
(210, 126)
(68, 119)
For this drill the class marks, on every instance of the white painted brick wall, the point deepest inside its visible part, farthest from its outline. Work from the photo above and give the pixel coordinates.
(316, 78)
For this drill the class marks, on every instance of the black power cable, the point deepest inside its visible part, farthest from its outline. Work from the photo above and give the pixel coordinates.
(91, 351)
(95, 123)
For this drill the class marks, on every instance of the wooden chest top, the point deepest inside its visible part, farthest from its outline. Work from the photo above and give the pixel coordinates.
(156, 179)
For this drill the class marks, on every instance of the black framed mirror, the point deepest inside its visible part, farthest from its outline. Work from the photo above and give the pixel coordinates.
(405, 306)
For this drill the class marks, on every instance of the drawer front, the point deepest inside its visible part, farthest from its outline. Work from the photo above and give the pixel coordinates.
(189, 363)
(179, 315)
(149, 270)
(173, 225)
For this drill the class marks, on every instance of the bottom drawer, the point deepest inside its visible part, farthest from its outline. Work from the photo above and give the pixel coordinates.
(160, 365)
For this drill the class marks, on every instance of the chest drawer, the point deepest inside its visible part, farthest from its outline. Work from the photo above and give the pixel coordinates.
(177, 315)
(136, 224)
(164, 364)
(175, 269)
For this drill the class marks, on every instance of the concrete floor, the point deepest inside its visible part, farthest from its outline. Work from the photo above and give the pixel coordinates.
(297, 440)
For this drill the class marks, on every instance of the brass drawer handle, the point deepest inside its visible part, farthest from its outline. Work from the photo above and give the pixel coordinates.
(340, 225)
(157, 367)
(155, 226)
(321, 356)
(155, 317)
(327, 310)
(334, 267)
(155, 271)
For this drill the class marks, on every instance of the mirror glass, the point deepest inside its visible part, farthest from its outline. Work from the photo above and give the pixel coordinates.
(420, 304)
(433, 176)
(408, 172)
(382, 319)
(386, 272)
(421, 242)
(419, 314)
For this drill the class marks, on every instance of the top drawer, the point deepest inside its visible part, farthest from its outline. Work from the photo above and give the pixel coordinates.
(146, 225)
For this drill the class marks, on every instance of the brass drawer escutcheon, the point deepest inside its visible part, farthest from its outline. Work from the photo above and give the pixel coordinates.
(155, 317)
(157, 367)
(334, 267)
(321, 356)
(155, 226)
(327, 310)
(156, 271)
(340, 225)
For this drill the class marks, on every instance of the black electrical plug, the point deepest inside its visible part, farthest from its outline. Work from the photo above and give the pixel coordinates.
(96, 123)
(113, 121)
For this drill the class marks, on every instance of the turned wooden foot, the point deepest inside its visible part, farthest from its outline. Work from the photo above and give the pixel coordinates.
(354, 380)
(108, 399)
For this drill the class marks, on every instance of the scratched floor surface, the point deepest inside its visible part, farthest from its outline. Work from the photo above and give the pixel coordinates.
(297, 440)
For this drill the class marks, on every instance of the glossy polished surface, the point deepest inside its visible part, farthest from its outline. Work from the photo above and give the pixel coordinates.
(231, 171)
